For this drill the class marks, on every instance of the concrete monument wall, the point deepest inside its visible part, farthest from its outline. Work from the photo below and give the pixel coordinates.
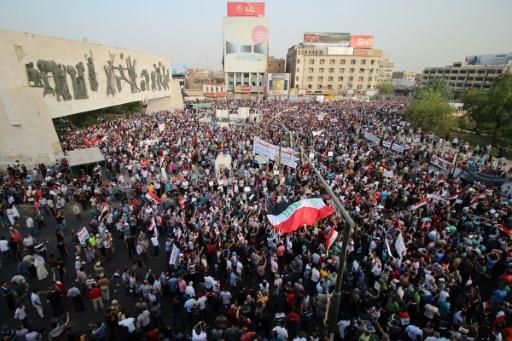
(45, 77)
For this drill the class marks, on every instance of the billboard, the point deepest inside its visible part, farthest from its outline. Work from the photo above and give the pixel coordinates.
(327, 37)
(179, 69)
(245, 44)
(361, 42)
(278, 83)
(340, 51)
(368, 52)
(246, 9)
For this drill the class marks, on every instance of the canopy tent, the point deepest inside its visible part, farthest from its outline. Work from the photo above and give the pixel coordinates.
(85, 156)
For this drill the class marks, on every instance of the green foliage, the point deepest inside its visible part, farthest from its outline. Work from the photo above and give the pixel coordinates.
(440, 86)
(492, 110)
(430, 111)
(385, 88)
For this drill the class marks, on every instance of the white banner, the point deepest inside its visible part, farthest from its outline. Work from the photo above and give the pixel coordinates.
(271, 151)
(317, 132)
(441, 163)
(371, 137)
(386, 144)
(400, 245)
(387, 173)
(175, 253)
(83, 235)
(398, 148)
(161, 127)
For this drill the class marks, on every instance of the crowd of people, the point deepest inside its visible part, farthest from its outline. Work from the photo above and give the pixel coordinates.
(195, 257)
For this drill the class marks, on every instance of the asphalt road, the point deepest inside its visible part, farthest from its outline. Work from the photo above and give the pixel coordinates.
(81, 320)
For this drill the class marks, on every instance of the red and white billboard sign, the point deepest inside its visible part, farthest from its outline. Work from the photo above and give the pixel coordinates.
(361, 42)
(246, 9)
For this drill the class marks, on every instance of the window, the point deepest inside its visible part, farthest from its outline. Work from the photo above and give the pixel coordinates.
(340, 79)
(331, 69)
(321, 69)
(298, 61)
(342, 70)
(310, 79)
(359, 87)
(320, 79)
(352, 70)
(371, 70)
(361, 70)
(297, 78)
(311, 61)
(372, 61)
(310, 86)
(298, 69)
(330, 79)
(310, 69)
(319, 86)
(342, 61)
(368, 86)
(350, 79)
(370, 79)
(352, 61)
(340, 86)
(329, 86)
(363, 61)
(361, 79)
(332, 61)
(322, 61)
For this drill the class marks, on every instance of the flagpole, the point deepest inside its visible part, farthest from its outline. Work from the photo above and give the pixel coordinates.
(349, 224)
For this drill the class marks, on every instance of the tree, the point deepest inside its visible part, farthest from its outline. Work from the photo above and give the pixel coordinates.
(441, 86)
(475, 103)
(430, 111)
(499, 105)
(385, 88)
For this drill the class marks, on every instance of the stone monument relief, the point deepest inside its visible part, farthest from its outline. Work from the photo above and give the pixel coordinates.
(120, 73)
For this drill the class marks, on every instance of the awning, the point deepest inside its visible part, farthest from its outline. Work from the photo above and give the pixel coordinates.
(84, 156)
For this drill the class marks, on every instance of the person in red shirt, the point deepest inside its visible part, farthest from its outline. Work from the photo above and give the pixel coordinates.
(95, 296)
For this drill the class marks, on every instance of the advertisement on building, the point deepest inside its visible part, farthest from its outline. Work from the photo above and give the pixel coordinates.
(245, 44)
(179, 69)
(361, 41)
(278, 83)
(327, 38)
(368, 52)
(246, 9)
(340, 51)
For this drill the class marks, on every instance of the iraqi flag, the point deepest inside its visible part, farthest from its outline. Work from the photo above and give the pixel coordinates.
(505, 230)
(418, 205)
(151, 224)
(331, 238)
(104, 210)
(153, 197)
(288, 218)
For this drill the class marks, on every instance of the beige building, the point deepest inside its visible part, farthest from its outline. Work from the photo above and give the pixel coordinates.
(475, 72)
(275, 65)
(385, 73)
(324, 69)
(407, 75)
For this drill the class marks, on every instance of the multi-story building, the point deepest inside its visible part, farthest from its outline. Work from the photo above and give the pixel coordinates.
(245, 49)
(333, 64)
(275, 65)
(478, 71)
(406, 75)
(385, 73)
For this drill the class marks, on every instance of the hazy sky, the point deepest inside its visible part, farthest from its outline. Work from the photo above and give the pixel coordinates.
(415, 33)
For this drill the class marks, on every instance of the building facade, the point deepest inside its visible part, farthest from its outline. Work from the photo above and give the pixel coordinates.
(334, 65)
(478, 72)
(385, 73)
(406, 75)
(245, 49)
(275, 65)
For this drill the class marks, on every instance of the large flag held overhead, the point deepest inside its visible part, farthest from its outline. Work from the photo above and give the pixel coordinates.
(288, 218)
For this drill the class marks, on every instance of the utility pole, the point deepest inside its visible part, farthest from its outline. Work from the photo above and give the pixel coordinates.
(348, 224)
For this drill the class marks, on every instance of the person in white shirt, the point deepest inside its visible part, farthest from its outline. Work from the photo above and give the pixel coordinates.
(21, 314)
(281, 332)
(36, 302)
(413, 333)
(128, 323)
(199, 332)
(4, 248)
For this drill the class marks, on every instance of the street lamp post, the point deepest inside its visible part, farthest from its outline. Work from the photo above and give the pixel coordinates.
(349, 224)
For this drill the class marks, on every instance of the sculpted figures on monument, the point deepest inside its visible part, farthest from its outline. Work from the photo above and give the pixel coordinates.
(78, 80)
(153, 80)
(166, 79)
(158, 73)
(61, 82)
(144, 84)
(34, 76)
(44, 67)
(111, 77)
(93, 82)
